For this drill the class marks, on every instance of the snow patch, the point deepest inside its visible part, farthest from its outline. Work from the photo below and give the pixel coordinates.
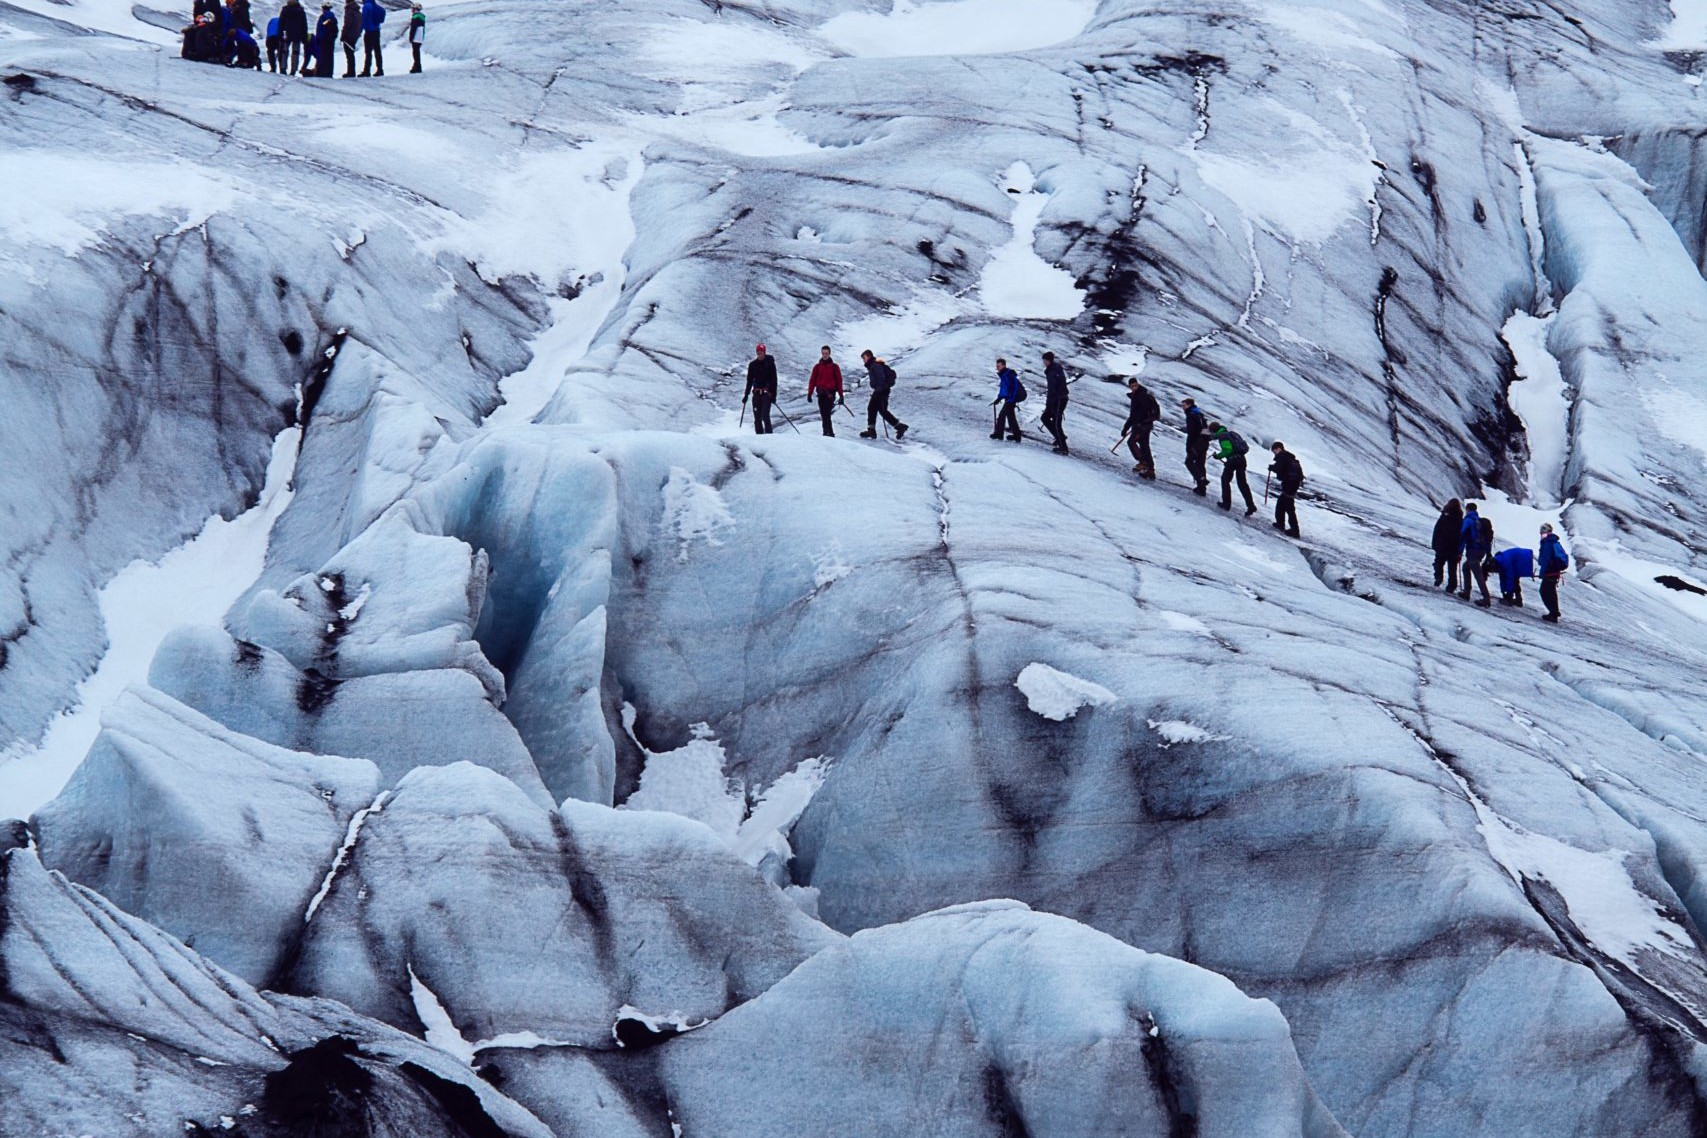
(1058, 695)
(962, 27)
(1177, 731)
(694, 511)
(441, 1031)
(1541, 400)
(193, 584)
(1016, 283)
(689, 781)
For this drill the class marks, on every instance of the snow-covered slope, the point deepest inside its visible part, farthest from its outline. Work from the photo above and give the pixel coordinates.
(528, 581)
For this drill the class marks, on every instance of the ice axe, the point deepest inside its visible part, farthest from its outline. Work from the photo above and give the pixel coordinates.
(1118, 441)
(1265, 485)
(777, 407)
(743, 419)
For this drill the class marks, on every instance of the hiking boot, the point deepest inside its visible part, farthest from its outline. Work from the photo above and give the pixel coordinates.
(1250, 510)
(1138, 469)
(900, 431)
(995, 434)
(1465, 595)
(1015, 438)
(1059, 450)
(1280, 527)
(1551, 618)
(1202, 489)
(868, 433)
(1291, 533)
(1225, 505)
(1484, 603)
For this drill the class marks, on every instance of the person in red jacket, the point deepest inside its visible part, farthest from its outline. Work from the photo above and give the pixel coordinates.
(826, 385)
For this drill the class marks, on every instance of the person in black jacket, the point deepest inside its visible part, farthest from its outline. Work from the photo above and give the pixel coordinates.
(882, 378)
(1140, 421)
(1196, 446)
(351, 35)
(1054, 401)
(761, 388)
(1448, 544)
(1291, 474)
(293, 30)
(237, 16)
(204, 42)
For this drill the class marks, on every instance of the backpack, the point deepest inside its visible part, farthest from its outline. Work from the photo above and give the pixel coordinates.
(1240, 446)
(1019, 388)
(1148, 408)
(888, 374)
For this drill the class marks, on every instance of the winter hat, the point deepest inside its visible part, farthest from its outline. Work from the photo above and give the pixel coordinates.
(1277, 445)
(760, 349)
(1546, 527)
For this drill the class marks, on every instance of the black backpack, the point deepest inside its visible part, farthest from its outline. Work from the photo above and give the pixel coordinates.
(888, 374)
(1019, 387)
(1148, 408)
(1240, 446)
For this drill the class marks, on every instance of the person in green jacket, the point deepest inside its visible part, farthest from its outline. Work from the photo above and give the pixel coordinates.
(1233, 449)
(417, 34)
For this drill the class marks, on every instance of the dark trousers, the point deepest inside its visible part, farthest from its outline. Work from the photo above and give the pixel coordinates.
(879, 406)
(292, 51)
(1476, 571)
(349, 59)
(1051, 420)
(1234, 467)
(275, 54)
(416, 68)
(762, 401)
(1197, 458)
(1138, 442)
(1006, 419)
(1550, 595)
(372, 58)
(827, 411)
(1286, 511)
(1446, 568)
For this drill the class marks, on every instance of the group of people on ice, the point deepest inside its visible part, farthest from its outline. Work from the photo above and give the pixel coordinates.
(1462, 537)
(1464, 553)
(225, 34)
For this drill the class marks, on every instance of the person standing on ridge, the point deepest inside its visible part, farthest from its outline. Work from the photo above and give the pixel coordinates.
(1478, 535)
(293, 30)
(826, 384)
(350, 35)
(761, 388)
(1553, 563)
(275, 49)
(1009, 392)
(882, 378)
(373, 57)
(1233, 450)
(1054, 401)
(1141, 416)
(237, 16)
(417, 35)
(324, 45)
(1291, 473)
(1196, 446)
(1448, 544)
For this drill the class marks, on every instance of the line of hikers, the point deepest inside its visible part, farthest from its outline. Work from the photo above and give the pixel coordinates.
(226, 35)
(826, 387)
(1464, 544)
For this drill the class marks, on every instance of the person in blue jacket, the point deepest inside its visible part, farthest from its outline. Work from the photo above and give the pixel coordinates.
(1007, 396)
(1553, 563)
(373, 59)
(241, 50)
(1514, 565)
(1478, 534)
(324, 45)
(275, 46)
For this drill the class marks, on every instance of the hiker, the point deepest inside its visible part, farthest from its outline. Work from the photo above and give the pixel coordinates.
(1552, 564)
(275, 51)
(350, 34)
(1054, 401)
(373, 59)
(196, 46)
(241, 50)
(417, 34)
(1448, 544)
(293, 29)
(1196, 446)
(204, 8)
(761, 388)
(1291, 473)
(1141, 416)
(322, 47)
(237, 16)
(1478, 536)
(1233, 462)
(826, 384)
(1009, 392)
(882, 378)
(1514, 565)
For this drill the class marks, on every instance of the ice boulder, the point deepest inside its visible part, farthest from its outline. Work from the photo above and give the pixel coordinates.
(518, 919)
(991, 1020)
(133, 1035)
(217, 838)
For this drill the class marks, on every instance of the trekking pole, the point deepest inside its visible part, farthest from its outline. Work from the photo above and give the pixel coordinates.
(1265, 485)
